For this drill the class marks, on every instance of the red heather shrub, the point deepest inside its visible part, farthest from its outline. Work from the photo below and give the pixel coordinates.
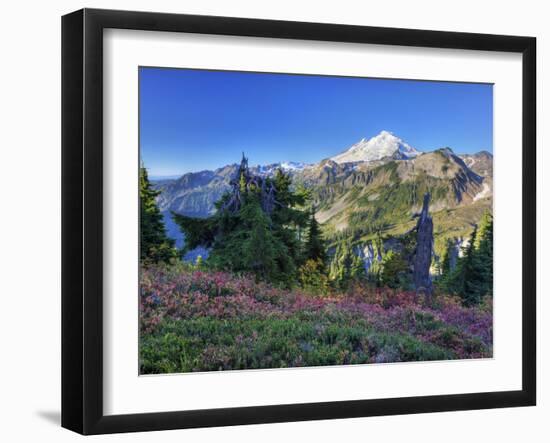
(182, 293)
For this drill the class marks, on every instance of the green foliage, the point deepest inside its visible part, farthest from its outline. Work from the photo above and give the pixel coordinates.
(242, 182)
(199, 231)
(315, 248)
(446, 267)
(155, 246)
(290, 208)
(395, 272)
(472, 278)
(210, 344)
(312, 277)
(389, 267)
(346, 266)
(254, 247)
(253, 239)
(478, 267)
(199, 262)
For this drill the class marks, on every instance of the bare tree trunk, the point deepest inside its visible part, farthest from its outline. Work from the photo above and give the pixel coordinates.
(423, 253)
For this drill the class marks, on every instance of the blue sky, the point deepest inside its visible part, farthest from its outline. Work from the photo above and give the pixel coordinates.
(192, 120)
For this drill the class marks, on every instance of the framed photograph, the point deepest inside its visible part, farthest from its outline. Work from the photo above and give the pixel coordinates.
(269, 221)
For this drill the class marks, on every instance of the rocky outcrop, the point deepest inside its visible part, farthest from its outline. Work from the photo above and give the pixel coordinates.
(370, 254)
(481, 163)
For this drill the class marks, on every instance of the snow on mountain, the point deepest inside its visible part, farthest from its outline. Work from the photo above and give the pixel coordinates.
(285, 166)
(292, 166)
(383, 145)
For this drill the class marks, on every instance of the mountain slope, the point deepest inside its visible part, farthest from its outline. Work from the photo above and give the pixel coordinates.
(195, 193)
(366, 201)
(481, 162)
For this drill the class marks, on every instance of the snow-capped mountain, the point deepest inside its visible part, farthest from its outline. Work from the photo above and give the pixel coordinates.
(383, 145)
(287, 166)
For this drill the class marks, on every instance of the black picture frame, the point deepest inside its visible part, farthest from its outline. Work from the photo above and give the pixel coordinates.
(82, 215)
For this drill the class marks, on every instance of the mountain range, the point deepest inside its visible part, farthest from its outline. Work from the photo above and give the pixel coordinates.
(373, 188)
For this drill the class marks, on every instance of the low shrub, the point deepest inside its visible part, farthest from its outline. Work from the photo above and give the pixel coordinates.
(195, 320)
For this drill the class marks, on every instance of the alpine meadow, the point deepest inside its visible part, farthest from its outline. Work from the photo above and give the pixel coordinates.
(303, 220)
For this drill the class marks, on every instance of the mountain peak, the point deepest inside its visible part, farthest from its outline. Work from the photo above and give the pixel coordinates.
(385, 144)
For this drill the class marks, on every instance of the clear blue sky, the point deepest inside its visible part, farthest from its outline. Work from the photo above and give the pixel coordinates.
(194, 119)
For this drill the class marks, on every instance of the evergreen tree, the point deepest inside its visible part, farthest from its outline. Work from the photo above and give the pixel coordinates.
(346, 266)
(262, 252)
(375, 269)
(315, 246)
(485, 256)
(313, 278)
(255, 228)
(357, 268)
(155, 246)
(289, 208)
(338, 265)
(446, 265)
(395, 272)
(472, 278)
(485, 229)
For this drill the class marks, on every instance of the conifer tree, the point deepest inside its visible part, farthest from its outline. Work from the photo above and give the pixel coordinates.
(260, 249)
(357, 269)
(255, 228)
(395, 271)
(155, 246)
(446, 266)
(472, 278)
(346, 266)
(248, 244)
(313, 278)
(469, 268)
(485, 254)
(315, 245)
